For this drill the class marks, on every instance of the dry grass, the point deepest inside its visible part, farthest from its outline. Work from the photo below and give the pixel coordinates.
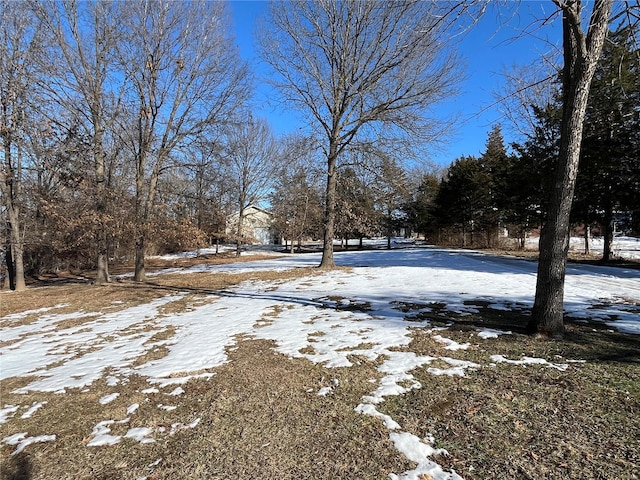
(260, 418)
(260, 415)
(531, 422)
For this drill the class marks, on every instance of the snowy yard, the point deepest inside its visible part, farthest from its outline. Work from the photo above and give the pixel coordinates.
(369, 312)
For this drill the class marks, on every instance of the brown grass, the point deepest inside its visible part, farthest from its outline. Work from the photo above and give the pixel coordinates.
(261, 417)
(531, 422)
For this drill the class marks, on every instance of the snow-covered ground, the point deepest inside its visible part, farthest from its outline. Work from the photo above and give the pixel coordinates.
(322, 321)
(623, 247)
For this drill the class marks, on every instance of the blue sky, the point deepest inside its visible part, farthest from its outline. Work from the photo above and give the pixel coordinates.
(493, 45)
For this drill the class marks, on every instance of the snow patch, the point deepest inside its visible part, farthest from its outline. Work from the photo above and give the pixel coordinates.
(486, 333)
(35, 406)
(529, 361)
(22, 441)
(108, 398)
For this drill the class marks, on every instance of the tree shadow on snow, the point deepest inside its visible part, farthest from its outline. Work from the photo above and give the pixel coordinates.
(585, 340)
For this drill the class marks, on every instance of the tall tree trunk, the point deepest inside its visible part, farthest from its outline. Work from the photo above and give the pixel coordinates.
(327, 261)
(9, 186)
(239, 232)
(102, 261)
(10, 279)
(18, 260)
(581, 56)
(102, 274)
(144, 206)
(140, 218)
(14, 254)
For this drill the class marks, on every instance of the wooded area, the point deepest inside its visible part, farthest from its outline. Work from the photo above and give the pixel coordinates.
(127, 131)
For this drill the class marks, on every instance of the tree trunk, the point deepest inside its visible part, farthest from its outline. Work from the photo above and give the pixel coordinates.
(14, 253)
(587, 234)
(607, 225)
(102, 274)
(139, 273)
(327, 261)
(140, 217)
(580, 56)
(102, 239)
(9, 187)
(239, 232)
(9, 279)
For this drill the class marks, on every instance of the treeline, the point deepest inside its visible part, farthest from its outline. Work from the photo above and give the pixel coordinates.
(499, 198)
(115, 117)
(480, 197)
(127, 131)
(478, 200)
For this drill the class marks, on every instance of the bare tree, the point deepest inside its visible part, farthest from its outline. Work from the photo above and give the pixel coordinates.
(524, 88)
(83, 82)
(363, 72)
(20, 47)
(581, 54)
(391, 189)
(207, 188)
(250, 163)
(186, 77)
(296, 199)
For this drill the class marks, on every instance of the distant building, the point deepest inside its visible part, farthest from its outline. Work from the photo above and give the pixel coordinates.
(257, 226)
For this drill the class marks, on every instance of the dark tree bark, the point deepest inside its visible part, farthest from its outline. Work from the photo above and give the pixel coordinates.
(607, 225)
(330, 210)
(9, 185)
(581, 54)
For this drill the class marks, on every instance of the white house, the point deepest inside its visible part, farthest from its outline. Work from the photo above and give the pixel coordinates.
(257, 226)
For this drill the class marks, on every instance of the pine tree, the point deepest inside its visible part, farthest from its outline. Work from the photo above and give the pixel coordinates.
(529, 187)
(356, 216)
(463, 197)
(610, 161)
(422, 208)
(496, 163)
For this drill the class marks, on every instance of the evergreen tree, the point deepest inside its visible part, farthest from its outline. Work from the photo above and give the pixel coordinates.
(610, 162)
(422, 208)
(462, 197)
(296, 204)
(496, 163)
(391, 195)
(532, 166)
(356, 216)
